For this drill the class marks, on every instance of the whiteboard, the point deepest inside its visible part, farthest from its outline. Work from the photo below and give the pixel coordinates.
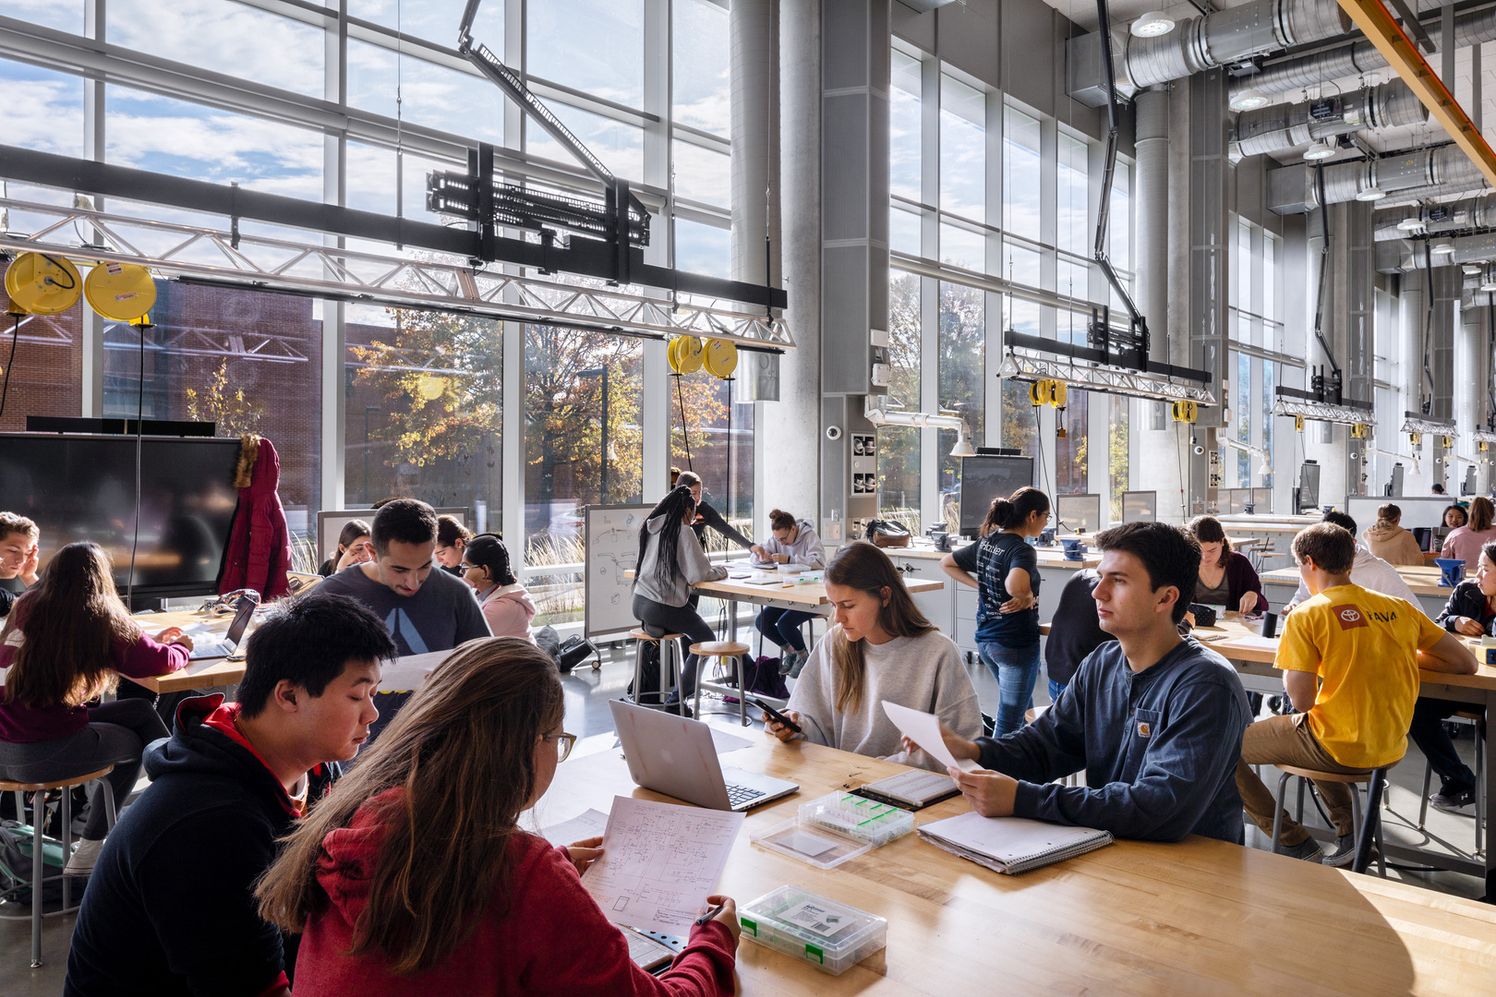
(611, 534)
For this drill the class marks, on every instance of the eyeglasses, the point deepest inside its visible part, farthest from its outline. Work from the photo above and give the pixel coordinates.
(564, 743)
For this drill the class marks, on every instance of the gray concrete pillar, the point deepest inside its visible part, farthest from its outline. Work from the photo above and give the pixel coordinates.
(755, 131)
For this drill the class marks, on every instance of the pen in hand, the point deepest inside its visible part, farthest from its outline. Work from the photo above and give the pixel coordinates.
(703, 919)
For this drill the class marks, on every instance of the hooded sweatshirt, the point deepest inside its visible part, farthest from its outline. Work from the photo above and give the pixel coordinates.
(652, 582)
(1393, 544)
(545, 935)
(508, 610)
(169, 907)
(807, 548)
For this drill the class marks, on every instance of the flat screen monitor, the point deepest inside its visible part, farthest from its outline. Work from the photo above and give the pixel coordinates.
(1467, 487)
(1078, 513)
(83, 488)
(1308, 485)
(1139, 507)
(330, 523)
(1235, 500)
(1395, 486)
(984, 478)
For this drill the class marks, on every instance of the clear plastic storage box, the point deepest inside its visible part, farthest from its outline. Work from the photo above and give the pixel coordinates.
(830, 936)
(858, 817)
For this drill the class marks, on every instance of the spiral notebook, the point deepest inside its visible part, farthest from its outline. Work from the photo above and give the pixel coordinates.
(1012, 845)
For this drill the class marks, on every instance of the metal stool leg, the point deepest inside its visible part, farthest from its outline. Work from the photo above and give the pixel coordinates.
(1428, 781)
(38, 819)
(67, 851)
(1278, 810)
(743, 700)
(639, 646)
(1369, 832)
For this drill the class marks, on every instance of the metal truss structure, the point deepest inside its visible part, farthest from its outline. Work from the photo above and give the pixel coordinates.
(1312, 408)
(1414, 422)
(420, 279)
(1104, 378)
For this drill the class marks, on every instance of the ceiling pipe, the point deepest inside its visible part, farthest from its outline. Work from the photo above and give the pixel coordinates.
(1284, 127)
(1292, 191)
(1434, 219)
(1467, 249)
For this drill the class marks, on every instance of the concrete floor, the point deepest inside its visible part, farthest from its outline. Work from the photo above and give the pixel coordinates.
(587, 694)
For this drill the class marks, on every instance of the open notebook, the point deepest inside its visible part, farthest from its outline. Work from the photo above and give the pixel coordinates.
(1012, 844)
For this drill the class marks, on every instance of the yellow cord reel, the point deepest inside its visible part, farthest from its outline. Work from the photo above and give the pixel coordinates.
(121, 292)
(721, 358)
(685, 354)
(40, 284)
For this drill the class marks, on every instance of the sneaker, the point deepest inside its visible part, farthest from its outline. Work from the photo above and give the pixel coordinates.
(1344, 853)
(786, 662)
(801, 657)
(1452, 801)
(1307, 850)
(81, 862)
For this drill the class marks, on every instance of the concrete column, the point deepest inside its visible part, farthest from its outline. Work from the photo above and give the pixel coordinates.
(1448, 286)
(1412, 312)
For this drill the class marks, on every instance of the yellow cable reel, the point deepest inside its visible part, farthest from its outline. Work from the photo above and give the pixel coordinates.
(1186, 411)
(42, 284)
(1047, 391)
(1360, 431)
(685, 354)
(121, 292)
(721, 358)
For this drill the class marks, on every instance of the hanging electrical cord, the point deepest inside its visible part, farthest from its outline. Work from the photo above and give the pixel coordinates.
(139, 433)
(1039, 452)
(15, 335)
(1184, 511)
(685, 433)
(1426, 384)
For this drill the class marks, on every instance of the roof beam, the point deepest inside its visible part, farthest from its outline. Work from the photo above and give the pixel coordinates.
(1378, 25)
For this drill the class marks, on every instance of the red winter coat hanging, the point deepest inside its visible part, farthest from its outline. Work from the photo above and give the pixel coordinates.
(258, 554)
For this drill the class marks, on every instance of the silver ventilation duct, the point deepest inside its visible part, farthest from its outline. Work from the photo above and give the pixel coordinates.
(1282, 127)
(1291, 190)
(1200, 43)
(1410, 256)
(1352, 60)
(1454, 216)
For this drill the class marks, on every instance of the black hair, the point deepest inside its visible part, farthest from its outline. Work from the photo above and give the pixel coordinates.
(1489, 549)
(673, 507)
(1341, 520)
(449, 531)
(354, 529)
(307, 641)
(409, 521)
(1438, 488)
(1006, 513)
(487, 550)
(1170, 555)
(1464, 515)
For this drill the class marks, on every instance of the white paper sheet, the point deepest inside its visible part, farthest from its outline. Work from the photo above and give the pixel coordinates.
(407, 674)
(579, 828)
(660, 862)
(924, 730)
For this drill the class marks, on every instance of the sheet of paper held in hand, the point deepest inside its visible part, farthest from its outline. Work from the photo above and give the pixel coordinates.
(924, 730)
(660, 862)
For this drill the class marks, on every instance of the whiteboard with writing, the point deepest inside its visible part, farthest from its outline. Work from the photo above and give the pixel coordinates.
(612, 539)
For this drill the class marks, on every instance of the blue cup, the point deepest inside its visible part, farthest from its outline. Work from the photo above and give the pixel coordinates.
(1453, 569)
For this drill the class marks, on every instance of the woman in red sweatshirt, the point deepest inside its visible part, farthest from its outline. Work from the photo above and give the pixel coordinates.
(66, 642)
(413, 876)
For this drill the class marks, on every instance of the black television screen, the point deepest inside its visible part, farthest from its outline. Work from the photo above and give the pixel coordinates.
(83, 488)
(1308, 486)
(983, 479)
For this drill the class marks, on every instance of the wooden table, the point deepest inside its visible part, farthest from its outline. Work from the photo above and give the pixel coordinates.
(203, 673)
(1422, 579)
(1199, 916)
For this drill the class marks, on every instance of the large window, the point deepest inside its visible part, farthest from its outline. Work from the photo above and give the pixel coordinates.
(905, 124)
(595, 46)
(1071, 451)
(715, 439)
(962, 343)
(1022, 174)
(1072, 187)
(700, 57)
(963, 149)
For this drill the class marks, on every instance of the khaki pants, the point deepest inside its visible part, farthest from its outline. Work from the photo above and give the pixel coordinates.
(1288, 741)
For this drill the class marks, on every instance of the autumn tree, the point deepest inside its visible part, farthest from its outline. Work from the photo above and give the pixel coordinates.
(234, 412)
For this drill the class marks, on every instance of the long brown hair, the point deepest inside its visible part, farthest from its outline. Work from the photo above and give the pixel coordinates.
(1481, 514)
(463, 752)
(1208, 530)
(864, 567)
(71, 623)
(1015, 510)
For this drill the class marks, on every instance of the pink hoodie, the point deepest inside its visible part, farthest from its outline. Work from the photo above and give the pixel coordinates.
(508, 610)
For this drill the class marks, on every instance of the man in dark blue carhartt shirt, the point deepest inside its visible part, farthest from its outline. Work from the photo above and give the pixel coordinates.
(1155, 719)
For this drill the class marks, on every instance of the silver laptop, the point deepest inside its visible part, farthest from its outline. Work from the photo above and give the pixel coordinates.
(230, 643)
(675, 756)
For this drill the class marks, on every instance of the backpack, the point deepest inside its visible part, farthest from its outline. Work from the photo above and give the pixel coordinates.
(886, 534)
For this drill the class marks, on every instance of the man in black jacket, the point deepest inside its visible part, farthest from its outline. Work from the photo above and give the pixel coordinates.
(169, 907)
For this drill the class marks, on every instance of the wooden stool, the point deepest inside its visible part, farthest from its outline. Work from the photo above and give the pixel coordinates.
(39, 792)
(721, 650)
(1477, 720)
(1367, 824)
(670, 658)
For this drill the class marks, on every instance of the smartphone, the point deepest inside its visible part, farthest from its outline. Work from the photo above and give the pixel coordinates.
(775, 715)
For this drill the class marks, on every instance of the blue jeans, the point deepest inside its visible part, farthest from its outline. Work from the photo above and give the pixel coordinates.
(782, 626)
(1055, 688)
(1016, 670)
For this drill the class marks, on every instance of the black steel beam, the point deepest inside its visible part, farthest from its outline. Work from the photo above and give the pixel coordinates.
(1133, 359)
(1309, 396)
(583, 257)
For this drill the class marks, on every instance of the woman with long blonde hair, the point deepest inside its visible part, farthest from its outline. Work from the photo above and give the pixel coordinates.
(65, 643)
(413, 875)
(882, 647)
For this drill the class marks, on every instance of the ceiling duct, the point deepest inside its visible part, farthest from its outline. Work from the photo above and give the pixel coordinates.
(1455, 216)
(1200, 43)
(1353, 60)
(1410, 257)
(1282, 127)
(1291, 189)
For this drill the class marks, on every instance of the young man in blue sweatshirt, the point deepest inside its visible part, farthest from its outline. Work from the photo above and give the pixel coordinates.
(1155, 719)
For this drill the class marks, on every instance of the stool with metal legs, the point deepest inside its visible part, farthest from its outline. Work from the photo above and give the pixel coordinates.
(722, 651)
(1366, 823)
(1477, 719)
(671, 661)
(39, 841)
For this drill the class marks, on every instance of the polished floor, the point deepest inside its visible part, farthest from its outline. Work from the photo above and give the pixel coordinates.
(587, 695)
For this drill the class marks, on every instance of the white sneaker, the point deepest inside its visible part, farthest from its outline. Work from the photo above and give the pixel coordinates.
(81, 862)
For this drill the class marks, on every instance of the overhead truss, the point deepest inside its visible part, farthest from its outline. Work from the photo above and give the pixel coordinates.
(1106, 379)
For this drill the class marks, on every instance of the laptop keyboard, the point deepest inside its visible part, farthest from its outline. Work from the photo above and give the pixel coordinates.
(739, 795)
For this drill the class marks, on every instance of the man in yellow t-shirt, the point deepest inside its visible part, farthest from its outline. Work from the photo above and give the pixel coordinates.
(1350, 659)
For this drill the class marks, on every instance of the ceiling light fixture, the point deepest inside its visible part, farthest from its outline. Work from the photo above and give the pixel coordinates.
(1371, 193)
(1442, 248)
(1471, 269)
(1247, 100)
(1319, 150)
(1151, 25)
(1412, 223)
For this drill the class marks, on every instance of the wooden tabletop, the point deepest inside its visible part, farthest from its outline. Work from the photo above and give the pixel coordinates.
(1421, 578)
(204, 673)
(808, 594)
(1199, 916)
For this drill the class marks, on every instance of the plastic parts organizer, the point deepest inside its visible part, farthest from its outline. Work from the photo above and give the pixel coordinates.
(830, 936)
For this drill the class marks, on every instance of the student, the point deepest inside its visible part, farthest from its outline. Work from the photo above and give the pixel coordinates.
(1227, 578)
(1465, 542)
(355, 546)
(451, 538)
(882, 647)
(20, 554)
(1350, 660)
(1470, 612)
(1455, 516)
(424, 610)
(1368, 570)
(1438, 488)
(1388, 540)
(1004, 569)
(169, 908)
(505, 603)
(1068, 645)
(66, 642)
(495, 909)
(791, 541)
(1153, 718)
(670, 562)
(706, 516)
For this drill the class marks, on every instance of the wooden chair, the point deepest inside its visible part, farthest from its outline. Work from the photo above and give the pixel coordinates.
(721, 651)
(1367, 822)
(39, 791)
